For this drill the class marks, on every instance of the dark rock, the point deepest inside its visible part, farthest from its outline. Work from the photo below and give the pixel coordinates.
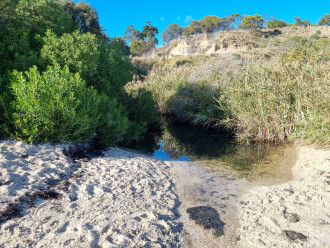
(207, 217)
(25, 156)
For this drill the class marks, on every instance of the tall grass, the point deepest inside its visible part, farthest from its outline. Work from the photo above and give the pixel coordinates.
(283, 99)
(187, 88)
(278, 99)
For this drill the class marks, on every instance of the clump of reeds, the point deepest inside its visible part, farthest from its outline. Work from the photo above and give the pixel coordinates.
(285, 98)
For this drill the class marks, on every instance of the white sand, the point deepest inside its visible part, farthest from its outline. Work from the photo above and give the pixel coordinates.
(119, 200)
(301, 205)
(127, 200)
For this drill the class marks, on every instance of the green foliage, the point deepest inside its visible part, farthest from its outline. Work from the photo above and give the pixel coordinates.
(54, 106)
(138, 47)
(173, 31)
(148, 34)
(142, 113)
(105, 65)
(76, 50)
(276, 23)
(23, 22)
(113, 124)
(210, 24)
(141, 42)
(316, 35)
(251, 22)
(193, 28)
(227, 23)
(283, 99)
(115, 68)
(175, 95)
(301, 49)
(324, 21)
(195, 103)
(83, 100)
(40, 15)
(83, 15)
(299, 22)
(237, 56)
(6, 110)
(131, 33)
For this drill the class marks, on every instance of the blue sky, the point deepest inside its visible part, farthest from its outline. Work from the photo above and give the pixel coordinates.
(115, 15)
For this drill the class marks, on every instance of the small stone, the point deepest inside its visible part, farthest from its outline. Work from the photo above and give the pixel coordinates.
(292, 217)
(291, 235)
(24, 156)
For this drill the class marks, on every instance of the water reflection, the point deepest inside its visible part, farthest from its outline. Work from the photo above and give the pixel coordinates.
(161, 154)
(220, 151)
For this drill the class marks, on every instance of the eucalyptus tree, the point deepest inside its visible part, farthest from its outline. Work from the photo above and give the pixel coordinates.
(250, 22)
(173, 31)
(324, 21)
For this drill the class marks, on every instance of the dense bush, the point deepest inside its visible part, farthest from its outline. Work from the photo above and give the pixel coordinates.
(250, 22)
(54, 106)
(142, 113)
(277, 23)
(325, 20)
(76, 50)
(22, 24)
(77, 93)
(113, 124)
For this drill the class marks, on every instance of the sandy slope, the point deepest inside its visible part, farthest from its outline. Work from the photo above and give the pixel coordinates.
(293, 214)
(119, 200)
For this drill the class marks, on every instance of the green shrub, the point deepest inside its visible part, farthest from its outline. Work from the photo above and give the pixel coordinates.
(142, 114)
(277, 23)
(237, 56)
(54, 106)
(115, 68)
(316, 35)
(113, 123)
(6, 112)
(79, 52)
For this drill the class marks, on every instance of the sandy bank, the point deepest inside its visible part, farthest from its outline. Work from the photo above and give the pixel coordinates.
(118, 200)
(293, 214)
(123, 199)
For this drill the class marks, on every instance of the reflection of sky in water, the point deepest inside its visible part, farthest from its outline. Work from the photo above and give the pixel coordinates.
(161, 154)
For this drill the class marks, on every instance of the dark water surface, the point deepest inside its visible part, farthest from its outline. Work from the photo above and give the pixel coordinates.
(219, 151)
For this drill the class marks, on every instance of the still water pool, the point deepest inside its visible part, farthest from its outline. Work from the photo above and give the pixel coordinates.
(218, 151)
